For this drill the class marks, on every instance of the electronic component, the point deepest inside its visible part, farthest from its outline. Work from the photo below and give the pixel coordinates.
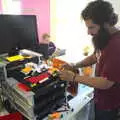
(3, 74)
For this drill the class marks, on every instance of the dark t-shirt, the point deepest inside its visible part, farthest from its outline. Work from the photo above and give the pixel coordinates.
(51, 48)
(108, 66)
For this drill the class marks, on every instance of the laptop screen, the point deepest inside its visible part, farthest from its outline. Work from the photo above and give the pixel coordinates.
(43, 49)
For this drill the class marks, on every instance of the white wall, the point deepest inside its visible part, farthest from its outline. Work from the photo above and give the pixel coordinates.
(71, 32)
(11, 6)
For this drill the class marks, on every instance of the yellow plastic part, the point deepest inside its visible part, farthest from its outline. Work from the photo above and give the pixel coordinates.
(15, 58)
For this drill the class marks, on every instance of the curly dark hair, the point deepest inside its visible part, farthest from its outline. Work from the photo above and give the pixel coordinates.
(100, 12)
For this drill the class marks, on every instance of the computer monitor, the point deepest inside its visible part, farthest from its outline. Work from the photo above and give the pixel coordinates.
(17, 32)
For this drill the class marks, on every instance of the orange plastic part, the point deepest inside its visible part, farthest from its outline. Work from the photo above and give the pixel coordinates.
(57, 63)
(55, 115)
(87, 71)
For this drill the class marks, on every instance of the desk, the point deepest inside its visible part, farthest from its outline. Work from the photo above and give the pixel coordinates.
(78, 103)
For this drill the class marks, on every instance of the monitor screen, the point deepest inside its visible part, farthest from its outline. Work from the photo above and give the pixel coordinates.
(17, 32)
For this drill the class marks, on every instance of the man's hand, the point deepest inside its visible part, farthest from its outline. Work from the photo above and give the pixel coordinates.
(66, 75)
(69, 67)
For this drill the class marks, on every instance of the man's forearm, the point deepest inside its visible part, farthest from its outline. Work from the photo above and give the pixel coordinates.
(86, 62)
(96, 82)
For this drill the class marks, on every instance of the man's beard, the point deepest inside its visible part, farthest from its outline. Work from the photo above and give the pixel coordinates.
(101, 40)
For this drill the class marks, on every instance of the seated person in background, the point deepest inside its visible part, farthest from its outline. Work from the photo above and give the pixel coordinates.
(51, 45)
